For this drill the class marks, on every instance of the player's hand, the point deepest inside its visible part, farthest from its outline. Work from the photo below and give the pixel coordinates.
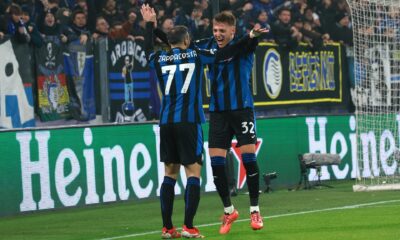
(256, 32)
(148, 13)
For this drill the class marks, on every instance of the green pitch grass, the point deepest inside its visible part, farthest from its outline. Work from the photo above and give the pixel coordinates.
(328, 214)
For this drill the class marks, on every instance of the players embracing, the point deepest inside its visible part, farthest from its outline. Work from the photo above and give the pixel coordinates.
(179, 72)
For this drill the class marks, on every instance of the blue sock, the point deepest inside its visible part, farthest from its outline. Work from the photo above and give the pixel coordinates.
(192, 199)
(167, 195)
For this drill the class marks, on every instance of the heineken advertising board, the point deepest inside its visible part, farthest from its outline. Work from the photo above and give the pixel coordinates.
(57, 168)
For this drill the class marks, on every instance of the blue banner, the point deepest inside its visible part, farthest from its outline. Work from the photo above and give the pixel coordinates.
(79, 68)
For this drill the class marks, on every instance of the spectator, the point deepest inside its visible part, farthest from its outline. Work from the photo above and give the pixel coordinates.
(390, 24)
(313, 19)
(50, 27)
(129, 4)
(63, 16)
(67, 4)
(298, 8)
(138, 25)
(315, 38)
(185, 18)
(78, 28)
(160, 11)
(199, 25)
(262, 22)
(166, 24)
(327, 13)
(207, 11)
(44, 6)
(285, 34)
(82, 4)
(36, 39)
(266, 5)
(341, 32)
(117, 31)
(169, 7)
(245, 19)
(110, 12)
(14, 25)
(50, 5)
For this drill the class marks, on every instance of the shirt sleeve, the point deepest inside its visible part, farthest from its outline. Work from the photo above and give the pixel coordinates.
(161, 35)
(244, 45)
(149, 45)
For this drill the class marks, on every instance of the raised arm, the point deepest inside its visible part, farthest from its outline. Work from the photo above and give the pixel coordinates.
(250, 46)
(149, 16)
(246, 44)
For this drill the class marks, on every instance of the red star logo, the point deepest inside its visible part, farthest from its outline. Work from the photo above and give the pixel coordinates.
(241, 174)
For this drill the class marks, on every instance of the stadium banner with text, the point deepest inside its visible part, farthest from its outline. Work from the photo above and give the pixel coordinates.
(300, 77)
(16, 78)
(129, 84)
(55, 168)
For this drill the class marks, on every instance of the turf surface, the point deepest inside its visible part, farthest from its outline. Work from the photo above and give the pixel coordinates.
(335, 213)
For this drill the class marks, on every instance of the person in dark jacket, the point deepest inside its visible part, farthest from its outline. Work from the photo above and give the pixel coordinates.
(78, 28)
(50, 27)
(36, 39)
(13, 25)
(286, 35)
(341, 32)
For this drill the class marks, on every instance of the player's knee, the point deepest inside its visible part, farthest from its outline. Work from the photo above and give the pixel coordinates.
(218, 161)
(248, 157)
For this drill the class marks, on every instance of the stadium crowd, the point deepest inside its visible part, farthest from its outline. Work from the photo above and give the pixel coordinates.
(291, 21)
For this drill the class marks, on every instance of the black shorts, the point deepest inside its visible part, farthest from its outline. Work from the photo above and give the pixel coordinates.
(181, 143)
(225, 125)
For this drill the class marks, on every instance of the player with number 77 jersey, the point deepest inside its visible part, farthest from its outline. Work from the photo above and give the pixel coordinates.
(180, 73)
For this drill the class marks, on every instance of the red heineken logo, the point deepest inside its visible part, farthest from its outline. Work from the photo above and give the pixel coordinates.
(241, 173)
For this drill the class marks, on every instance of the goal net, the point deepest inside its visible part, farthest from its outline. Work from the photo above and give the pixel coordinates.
(376, 28)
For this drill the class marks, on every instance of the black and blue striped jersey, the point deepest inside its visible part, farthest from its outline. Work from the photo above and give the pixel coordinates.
(230, 80)
(180, 75)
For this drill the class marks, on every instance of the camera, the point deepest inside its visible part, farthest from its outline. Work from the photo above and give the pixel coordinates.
(267, 180)
(272, 175)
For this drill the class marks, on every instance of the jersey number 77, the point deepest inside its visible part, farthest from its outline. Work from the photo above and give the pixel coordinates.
(171, 69)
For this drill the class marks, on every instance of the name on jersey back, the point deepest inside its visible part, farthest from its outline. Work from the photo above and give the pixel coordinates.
(177, 56)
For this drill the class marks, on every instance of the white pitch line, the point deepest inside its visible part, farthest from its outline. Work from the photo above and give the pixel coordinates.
(273, 216)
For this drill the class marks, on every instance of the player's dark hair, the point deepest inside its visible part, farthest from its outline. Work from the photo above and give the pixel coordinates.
(177, 34)
(225, 17)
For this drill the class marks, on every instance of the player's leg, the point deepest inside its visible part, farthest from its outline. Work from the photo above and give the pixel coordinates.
(245, 130)
(190, 148)
(171, 161)
(253, 184)
(220, 136)
(167, 195)
(192, 199)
